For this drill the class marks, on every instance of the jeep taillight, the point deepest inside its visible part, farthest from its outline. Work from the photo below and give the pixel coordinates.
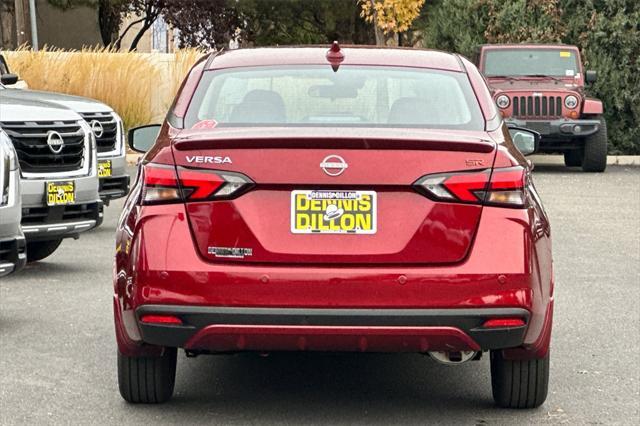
(504, 187)
(164, 184)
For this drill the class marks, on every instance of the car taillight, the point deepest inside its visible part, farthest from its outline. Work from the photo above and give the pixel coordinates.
(160, 184)
(163, 185)
(198, 185)
(507, 187)
(501, 187)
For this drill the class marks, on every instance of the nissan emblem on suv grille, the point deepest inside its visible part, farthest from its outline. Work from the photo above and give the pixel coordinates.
(97, 129)
(55, 141)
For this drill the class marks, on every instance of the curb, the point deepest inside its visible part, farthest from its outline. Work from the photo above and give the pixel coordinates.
(612, 160)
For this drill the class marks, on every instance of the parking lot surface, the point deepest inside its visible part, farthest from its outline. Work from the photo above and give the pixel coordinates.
(58, 351)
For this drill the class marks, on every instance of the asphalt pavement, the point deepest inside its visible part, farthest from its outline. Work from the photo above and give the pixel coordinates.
(58, 351)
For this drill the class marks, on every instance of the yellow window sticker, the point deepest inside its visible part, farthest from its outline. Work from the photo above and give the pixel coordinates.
(565, 54)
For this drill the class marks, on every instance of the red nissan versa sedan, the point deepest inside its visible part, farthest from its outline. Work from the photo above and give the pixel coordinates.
(314, 199)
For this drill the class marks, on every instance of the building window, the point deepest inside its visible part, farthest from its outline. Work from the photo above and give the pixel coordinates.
(159, 39)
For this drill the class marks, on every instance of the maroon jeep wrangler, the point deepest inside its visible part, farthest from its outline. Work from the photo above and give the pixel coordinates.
(541, 87)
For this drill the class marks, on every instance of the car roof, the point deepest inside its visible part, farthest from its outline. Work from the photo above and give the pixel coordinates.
(353, 55)
(528, 46)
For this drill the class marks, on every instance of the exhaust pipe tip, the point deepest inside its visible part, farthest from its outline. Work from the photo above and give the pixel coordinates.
(454, 357)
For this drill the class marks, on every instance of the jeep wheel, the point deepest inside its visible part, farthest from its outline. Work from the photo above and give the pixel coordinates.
(573, 158)
(595, 150)
(38, 250)
(519, 383)
(147, 380)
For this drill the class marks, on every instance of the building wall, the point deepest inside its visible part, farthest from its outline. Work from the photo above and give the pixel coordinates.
(7, 26)
(73, 28)
(77, 27)
(146, 43)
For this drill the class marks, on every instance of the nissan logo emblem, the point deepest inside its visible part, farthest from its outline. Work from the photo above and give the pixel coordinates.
(55, 141)
(334, 165)
(97, 129)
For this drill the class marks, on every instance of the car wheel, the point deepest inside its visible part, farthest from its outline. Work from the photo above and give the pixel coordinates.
(519, 383)
(595, 150)
(147, 380)
(38, 250)
(573, 158)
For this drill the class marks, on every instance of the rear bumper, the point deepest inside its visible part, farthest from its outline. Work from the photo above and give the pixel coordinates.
(498, 274)
(220, 329)
(13, 255)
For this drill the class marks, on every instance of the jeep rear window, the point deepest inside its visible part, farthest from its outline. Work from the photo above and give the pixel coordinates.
(530, 62)
(354, 96)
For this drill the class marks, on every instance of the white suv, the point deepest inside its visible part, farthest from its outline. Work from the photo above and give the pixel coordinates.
(12, 243)
(59, 183)
(108, 130)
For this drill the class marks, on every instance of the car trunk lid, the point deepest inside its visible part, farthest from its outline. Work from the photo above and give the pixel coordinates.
(376, 216)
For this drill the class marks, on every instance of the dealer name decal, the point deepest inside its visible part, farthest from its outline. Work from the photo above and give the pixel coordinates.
(333, 212)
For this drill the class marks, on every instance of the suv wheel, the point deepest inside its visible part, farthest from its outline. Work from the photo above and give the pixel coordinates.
(519, 383)
(147, 380)
(38, 250)
(573, 158)
(595, 150)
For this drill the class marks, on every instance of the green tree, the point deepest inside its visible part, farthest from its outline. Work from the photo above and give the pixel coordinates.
(289, 22)
(454, 25)
(608, 34)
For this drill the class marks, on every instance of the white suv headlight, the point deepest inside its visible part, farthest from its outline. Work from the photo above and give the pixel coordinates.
(7, 151)
(89, 133)
(503, 101)
(119, 133)
(571, 102)
(8, 163)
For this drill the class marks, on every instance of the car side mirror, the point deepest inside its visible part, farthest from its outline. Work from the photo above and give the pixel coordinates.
(9, 79)
(590, 76)
(527, 141)
(142, 138)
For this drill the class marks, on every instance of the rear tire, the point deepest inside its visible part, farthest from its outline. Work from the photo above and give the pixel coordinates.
(38, 250)
(519, 383)
(595, 150)
(147, 380)
(573, 158)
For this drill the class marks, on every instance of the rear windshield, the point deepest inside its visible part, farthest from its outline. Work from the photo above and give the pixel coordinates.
(523, 62)
(353, 96)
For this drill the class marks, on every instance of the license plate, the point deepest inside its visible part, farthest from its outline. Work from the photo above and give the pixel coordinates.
(104, 168)
(333, 212)
(61, 193)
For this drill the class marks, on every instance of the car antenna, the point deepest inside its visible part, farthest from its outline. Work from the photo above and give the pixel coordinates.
(335, 56)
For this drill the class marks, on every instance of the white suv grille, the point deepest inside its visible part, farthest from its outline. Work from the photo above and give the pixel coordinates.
(108, 139)
(36, 155)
